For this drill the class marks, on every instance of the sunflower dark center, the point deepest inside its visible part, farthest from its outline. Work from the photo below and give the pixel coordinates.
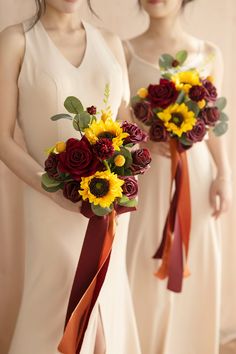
(177, 119)
(99, 187)
(107, 135)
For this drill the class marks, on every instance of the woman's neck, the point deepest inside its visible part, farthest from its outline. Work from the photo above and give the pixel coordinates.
(56, 20)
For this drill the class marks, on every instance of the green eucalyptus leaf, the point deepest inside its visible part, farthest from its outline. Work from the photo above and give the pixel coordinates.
(181, 97)
(134, 100)
(99, 211)
(220, 128)
(193, 107)
(93, 119)
(181, 56)
(127, 155)
(73, 105)
(76, 124)
(224, 117)
(185, 141)
(84, 120)
(123, 200)
(61, 116)
(167, 76)
(165, 61)
(221, 103)
(52, 189)
(131, 203)
(49, 182)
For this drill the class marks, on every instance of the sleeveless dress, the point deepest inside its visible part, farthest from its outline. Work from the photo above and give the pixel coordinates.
(170, 323)
(54, 236)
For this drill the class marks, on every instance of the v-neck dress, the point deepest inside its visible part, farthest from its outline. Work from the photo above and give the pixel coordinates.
(54, 236)
(169, 323)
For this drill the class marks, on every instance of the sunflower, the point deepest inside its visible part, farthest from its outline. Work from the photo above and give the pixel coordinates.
(186, 79)
(178, 119)
(102, 188)
(106, 129)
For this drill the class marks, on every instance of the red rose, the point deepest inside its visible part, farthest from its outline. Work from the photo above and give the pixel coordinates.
(211, 92)
(79, 159)
(143, 111)
(130, 187)
(136, 135)
(198, 132)
(71, 191)
(162, 95)
(51, 167)
(141, 160)
(197, 93)
(158, 131)
(210, 115)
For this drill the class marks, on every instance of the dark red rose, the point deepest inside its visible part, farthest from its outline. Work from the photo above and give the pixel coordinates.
(79, 159)
(143, 111)
(136, 135)
(158, 131)
(103, 148)
(71, 191)
(130, 187)
(162, 95)
(210, 115)
(92, 110)
(197, 93)
(51, 166)
(198, 132)
(141, 160)
(175, 63)
(211, 92)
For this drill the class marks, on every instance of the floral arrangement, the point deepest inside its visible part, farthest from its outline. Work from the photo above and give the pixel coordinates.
(180, 109)
(182, 106)
(99, 170)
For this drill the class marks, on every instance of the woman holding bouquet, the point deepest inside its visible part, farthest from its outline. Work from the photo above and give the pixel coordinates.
(41, 63)
(170, 323)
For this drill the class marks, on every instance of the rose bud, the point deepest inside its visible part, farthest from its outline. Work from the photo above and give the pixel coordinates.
(92, 110)
(71, 191)
(210, 115)
(51, 166)
(79, 159)
(198, 132)
(103, 148)
(162, 95)
(130, 187)
(211, 92)
(141, 160)
(158, 131)
(197, 93)
(136, 135)
(143, 111)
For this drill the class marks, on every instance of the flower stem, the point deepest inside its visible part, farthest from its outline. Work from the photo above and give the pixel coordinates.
(107, 165)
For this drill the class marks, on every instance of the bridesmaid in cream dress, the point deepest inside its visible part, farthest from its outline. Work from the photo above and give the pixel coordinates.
(169, 323)
(42, 63)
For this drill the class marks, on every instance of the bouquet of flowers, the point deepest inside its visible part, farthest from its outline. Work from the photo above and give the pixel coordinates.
(181, 109)
(97, 169)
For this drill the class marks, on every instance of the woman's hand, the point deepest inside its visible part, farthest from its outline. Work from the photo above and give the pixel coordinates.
(64, 203)
(220, 196)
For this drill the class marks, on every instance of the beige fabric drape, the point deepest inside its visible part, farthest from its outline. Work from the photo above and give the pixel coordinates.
(209, 19)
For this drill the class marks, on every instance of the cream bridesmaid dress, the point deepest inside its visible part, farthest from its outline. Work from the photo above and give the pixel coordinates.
(169, 323)
(54, 236)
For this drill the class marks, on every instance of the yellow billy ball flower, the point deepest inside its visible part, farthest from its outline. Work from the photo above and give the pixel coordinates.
(178, 119)
(119, 160)
(186, 79)
(60, 146)
(106, 129)
(102, 188)
(201, 104)
(142, 92)
(210, 78)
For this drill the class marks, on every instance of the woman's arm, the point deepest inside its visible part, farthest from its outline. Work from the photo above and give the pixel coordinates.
(221, 191)
(12, 47)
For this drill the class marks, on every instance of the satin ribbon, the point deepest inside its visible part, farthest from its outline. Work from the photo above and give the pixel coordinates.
(174, 247)
(89, 277)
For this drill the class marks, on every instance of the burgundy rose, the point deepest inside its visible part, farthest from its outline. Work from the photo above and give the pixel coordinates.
(79, 159)
(103, 148)
(198, 132)
(210, 115)
(162, 95)
(51, 166)
(130, 187)
(158, 131)
(211, 92)
(197, 93)
(143, 111)
(136, 135)
(71, 191)
(92, 110)
(141, 160)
